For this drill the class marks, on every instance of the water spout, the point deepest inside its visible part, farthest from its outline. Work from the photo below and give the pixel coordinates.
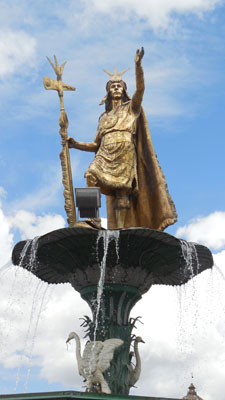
(190, 255)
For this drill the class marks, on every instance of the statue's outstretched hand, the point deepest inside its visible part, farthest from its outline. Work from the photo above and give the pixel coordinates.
(71, 142)
(139, 56)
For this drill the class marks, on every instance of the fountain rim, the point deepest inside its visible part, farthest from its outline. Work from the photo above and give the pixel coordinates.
(168, 271)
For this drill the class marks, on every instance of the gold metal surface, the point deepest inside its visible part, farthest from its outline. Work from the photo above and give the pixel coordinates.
(60, 86)
(125, 161)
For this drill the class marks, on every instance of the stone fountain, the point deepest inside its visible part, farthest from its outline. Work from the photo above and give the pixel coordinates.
(135, 260)
(113, 268)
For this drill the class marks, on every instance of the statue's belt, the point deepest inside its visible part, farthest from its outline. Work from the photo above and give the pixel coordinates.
(116, 137)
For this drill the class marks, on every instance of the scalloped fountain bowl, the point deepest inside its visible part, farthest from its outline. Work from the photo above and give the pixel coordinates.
(145, 257)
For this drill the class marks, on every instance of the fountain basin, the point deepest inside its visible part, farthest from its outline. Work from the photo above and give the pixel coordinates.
(142, 258)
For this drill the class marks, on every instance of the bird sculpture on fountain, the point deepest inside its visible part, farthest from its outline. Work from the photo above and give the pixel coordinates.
(135, 372)
(95, 360)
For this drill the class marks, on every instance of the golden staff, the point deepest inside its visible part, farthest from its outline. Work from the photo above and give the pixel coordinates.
(60, 86)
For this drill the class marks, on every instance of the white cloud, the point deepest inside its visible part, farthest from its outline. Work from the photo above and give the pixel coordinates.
(209, 230)
(157, 13)
(17, 50)
(169, 76)
(27, 223)
(31, 225)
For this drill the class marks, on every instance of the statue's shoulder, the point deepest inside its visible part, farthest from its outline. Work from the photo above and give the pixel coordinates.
(102, 115)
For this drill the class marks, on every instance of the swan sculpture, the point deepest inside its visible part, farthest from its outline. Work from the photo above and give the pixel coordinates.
(95, 360)
(135, 372)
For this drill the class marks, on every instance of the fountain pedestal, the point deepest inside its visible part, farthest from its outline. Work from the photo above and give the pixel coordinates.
(135, 260)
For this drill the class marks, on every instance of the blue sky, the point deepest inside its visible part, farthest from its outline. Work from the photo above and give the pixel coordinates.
(184, 100)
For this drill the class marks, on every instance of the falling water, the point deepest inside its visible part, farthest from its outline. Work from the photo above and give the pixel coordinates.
(23, 284)
(190, 255)
(10, 300)
(33, 338)
(23, 254)
(33, 251)
(107, 236)
(35, 313)
(220, 286)
(5, 268)
(219, 271)
(183, 304)
(28, 333)
(201, 310)
(37, 306)
(24, 251)
(187, 300)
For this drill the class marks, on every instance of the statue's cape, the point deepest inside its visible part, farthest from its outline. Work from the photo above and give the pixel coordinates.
(152, 207)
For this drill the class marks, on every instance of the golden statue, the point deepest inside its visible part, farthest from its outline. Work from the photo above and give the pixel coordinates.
(125, 166)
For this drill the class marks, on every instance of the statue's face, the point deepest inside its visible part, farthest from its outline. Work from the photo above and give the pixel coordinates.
(116, 90)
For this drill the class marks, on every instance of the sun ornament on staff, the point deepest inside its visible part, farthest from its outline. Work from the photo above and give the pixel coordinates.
(60, 86)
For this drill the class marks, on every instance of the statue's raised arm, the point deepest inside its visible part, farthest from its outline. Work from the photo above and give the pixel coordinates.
(140, 84)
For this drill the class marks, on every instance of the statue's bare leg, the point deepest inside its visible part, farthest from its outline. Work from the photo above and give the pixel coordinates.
(122, 204)
(91, 181)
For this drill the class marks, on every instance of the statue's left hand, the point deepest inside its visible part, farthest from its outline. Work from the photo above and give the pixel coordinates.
(139, 56)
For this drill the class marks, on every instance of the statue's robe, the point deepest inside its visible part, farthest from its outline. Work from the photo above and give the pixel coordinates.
(126, 160)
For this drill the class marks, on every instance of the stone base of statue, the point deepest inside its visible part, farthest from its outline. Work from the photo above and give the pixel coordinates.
(112, 270)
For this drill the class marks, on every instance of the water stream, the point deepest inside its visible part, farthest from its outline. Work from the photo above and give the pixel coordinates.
(190, 255)
(27, 336)
(201, 308)
(33, 251)
(107, 236)
(5, 268)
(220, 287)
(38, 314)
(218, 269)
(26, 297)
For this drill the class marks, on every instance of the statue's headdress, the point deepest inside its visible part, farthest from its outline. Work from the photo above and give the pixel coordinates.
(115, 77)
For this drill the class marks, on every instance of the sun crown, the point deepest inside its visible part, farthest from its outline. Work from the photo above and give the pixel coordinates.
(116, 76)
